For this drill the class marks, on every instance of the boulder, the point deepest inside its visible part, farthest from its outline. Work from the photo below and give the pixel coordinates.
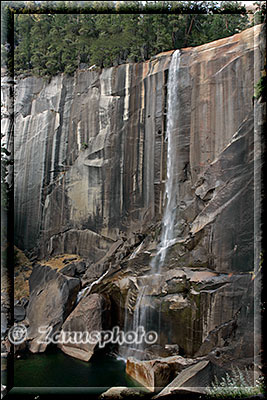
(69, 270)
(194, 379)
(120, 393)
(52, 296)
(80, 268)
(19, 313)
(74, 269)
(88, 316)
(157, 373)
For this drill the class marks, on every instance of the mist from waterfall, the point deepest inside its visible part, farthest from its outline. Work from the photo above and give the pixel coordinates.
(171, 196)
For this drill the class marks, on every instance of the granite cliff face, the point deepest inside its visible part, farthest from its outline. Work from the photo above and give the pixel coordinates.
(90, 168)
(90, 157)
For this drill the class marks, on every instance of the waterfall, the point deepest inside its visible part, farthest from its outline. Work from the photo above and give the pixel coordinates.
(133, 255)
(171, 184)
(137, 315)
(171, 195)
(87, 290)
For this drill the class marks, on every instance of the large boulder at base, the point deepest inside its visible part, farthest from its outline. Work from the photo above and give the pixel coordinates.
(156, 374)
(119, 393)
(52, 297)
(185, 394)
(194, 378)
(88, 316)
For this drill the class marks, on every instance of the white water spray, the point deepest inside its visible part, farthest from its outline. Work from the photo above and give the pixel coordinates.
(171, 195)
(87, 290)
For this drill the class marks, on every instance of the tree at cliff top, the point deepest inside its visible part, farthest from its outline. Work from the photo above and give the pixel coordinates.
(68, 34)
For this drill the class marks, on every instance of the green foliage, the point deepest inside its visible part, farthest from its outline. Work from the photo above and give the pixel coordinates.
(47, 43)
(238, 385)
(260, 88)
(5, 187)
(84, 146)
(259, 15)
(3, 56)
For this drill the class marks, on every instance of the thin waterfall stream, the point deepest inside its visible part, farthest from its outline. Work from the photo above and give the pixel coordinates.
(171, 197)
(171, 194)
(87, 290)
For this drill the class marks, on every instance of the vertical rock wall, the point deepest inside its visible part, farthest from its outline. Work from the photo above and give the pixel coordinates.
(90, 157)
(90, 167)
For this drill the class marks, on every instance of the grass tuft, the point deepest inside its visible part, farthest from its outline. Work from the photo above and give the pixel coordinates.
(236, 385)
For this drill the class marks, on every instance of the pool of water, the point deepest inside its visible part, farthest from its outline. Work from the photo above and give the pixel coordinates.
(52, 371)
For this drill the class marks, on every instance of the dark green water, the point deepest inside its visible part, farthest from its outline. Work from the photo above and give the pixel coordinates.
(55, 369)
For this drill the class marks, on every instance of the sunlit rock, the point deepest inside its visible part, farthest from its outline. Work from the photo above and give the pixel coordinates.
(156, 374)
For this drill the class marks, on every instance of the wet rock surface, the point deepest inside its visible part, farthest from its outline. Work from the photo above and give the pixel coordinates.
(179, 299)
